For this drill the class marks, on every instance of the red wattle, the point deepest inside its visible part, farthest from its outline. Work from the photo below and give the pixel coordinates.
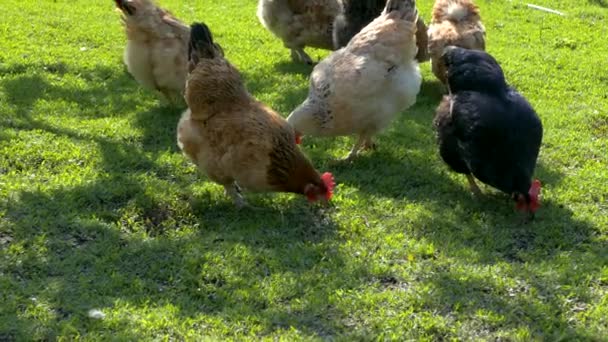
(328, 180)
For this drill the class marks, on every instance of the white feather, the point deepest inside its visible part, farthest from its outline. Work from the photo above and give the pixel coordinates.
(96, 314)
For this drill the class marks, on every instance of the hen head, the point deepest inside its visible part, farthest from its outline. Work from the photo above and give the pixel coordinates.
(472, 70)
(531, 202)
(133, 7)
(322, 191)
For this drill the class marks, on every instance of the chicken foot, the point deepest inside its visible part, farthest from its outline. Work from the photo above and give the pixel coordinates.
(172, 97)
(369, 144)
(473, 186)
(362, 143)
(235, 193)
(298, 55)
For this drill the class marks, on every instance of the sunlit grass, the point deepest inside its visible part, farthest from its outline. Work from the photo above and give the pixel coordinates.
(99, 210)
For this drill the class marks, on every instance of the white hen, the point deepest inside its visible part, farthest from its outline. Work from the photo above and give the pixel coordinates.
(360, 88)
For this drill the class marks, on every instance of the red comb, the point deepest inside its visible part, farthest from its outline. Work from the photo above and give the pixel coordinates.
(328, 180)
(534, 193)
(298, 138)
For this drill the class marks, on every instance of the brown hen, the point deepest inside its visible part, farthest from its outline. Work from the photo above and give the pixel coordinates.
(157, 42)
(235, 139)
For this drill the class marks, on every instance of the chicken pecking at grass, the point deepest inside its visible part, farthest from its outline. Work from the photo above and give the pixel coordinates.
(156, 51)
(457, 23)
(360, 88)
(235, 139)
(487, 130)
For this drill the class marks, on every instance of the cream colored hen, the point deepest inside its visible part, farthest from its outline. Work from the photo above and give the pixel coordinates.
(157, 45)
(360, 88)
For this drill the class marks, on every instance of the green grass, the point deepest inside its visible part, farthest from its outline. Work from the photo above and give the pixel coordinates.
(99, 210)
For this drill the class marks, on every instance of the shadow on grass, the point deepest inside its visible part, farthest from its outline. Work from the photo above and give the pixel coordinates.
(290, 96)
(601, 3)
(431, 92)
(105, 94)
(485, 231)
(555, 252)
(109, 93)
(532, 303)
(293, 68)
(117, 240)
(556, 262)
(159, 128)
(94, 243)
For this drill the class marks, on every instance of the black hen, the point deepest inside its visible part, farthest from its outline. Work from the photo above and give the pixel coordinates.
(487, 129)
(356, 14)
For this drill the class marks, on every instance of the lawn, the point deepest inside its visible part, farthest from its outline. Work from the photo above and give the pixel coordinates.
(100, 211)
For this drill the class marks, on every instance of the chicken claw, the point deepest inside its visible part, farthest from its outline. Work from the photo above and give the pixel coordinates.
(298, 55)
(370, 145)
(362, 143)
(234, 192)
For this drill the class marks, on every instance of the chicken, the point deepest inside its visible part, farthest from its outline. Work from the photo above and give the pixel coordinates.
(356, 14)
(300, 23)
(236, 140)
(156, 52)
(454, 22)
(488, 130)
(360, 88)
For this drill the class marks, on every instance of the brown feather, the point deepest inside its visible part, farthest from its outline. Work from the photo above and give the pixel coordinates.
(461, 27)
(155, 54)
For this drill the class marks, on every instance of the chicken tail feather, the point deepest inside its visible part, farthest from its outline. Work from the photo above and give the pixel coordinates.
(407, 8)
(201, 43)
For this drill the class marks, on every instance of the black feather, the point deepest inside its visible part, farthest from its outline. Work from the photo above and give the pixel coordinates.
(473, 70)
(201, 43)
(125, 7)
(355, 16)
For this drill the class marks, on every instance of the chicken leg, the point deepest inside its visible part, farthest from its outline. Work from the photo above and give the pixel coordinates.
(298, 55)
(473, 186)
(362, 142)
(234, 192)
(369, 144)
(174, 98)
